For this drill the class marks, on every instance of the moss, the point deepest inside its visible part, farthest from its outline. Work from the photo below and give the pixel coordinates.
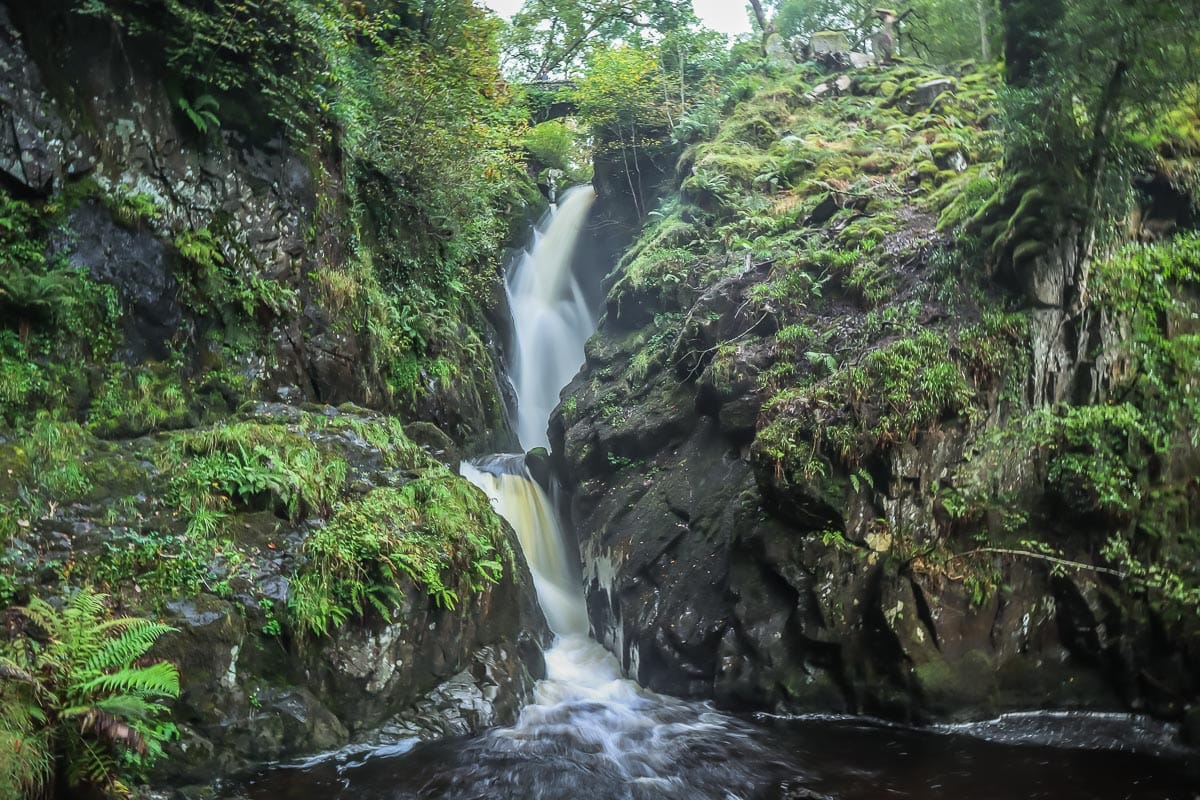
(437, 531)
(960, 198)
(133, 402)
(894, 393)
(738, 167)
(970, 683)
(926, 170)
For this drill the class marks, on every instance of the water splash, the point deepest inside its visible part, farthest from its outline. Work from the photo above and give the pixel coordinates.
(551, 319)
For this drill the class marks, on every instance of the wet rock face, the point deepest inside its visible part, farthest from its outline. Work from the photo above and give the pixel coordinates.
(96, 121)
(709, 572)
(708, 578)
(140, 267)
(256, 687)
(34, 146)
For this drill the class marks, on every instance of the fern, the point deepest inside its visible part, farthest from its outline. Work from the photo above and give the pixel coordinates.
(202, 112)
(74, 689)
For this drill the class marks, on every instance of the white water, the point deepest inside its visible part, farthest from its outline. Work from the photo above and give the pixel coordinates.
(518, 498)
(551, 320)
(586, 716)
(587, 722)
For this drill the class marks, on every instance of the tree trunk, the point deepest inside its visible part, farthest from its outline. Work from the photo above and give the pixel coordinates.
(1110, 105)
(765, 25)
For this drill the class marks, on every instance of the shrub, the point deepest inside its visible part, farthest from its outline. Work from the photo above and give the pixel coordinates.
(76, 691)
(437, 530)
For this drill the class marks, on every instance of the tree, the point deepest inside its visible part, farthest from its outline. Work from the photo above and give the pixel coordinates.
(1084, 77)
(432, 132)
(622, 98)
(765, 24)
(554, 36)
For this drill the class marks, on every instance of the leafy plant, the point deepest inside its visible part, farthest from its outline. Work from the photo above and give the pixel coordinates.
(437, 530)
(252, 464)
(81, 707)
(132, 209)
(202, 112)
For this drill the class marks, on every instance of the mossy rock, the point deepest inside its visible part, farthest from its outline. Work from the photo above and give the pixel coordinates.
(966, 687)
(926, 170)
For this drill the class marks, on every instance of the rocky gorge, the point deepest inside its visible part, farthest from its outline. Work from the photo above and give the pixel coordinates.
(862, 430)
(819, 463)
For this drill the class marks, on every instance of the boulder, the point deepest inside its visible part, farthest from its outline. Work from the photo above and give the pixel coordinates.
(826, 42)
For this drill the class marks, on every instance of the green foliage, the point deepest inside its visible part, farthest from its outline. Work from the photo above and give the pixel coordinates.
(1099, 453)
(437, 531)
(133, 402)
(891, 395)
(940, 31)
(622, 91)
(22, 380)
(553, 144)
(159, 564)
(1172, 586)
(78, 692)
(577, 29)
(32, 292)
(58, 453)
(269, 52)
(202, 112)
(215, 283)
(251, 464)
(1153, 288)
(131, 209)
(1085, 77)
(40, 300)
(431, 181)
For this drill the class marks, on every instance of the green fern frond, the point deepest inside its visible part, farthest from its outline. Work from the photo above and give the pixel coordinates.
(76, 689)
(136, 637)
(161, 679)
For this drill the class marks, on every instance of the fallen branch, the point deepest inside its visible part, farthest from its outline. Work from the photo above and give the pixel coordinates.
(1062, 562)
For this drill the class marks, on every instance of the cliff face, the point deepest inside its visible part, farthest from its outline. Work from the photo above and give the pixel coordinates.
(822, 460)
(173, 266)
(235, 257)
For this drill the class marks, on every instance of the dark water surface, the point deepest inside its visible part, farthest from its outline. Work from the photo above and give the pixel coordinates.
(691, 752)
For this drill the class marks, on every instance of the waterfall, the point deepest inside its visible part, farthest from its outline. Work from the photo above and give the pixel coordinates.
(551, 320)
(592, 733)
(519, 499)
(587, 719)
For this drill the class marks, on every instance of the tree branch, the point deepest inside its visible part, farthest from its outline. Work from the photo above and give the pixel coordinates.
(1062, 562)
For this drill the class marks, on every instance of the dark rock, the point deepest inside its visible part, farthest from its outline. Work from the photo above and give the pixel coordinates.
(29, 162)
(924, 94)
(253, 688)
(435, 442)
(537, 461)
(138, 265)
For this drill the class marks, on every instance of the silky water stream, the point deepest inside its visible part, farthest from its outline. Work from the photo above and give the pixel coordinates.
(592, 734)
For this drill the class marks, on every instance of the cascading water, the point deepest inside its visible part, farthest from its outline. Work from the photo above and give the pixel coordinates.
(551, 320)
(520, 500)
(590, 733)
(586, 719)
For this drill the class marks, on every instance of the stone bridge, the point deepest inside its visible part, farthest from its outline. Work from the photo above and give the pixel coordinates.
(557, 102)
